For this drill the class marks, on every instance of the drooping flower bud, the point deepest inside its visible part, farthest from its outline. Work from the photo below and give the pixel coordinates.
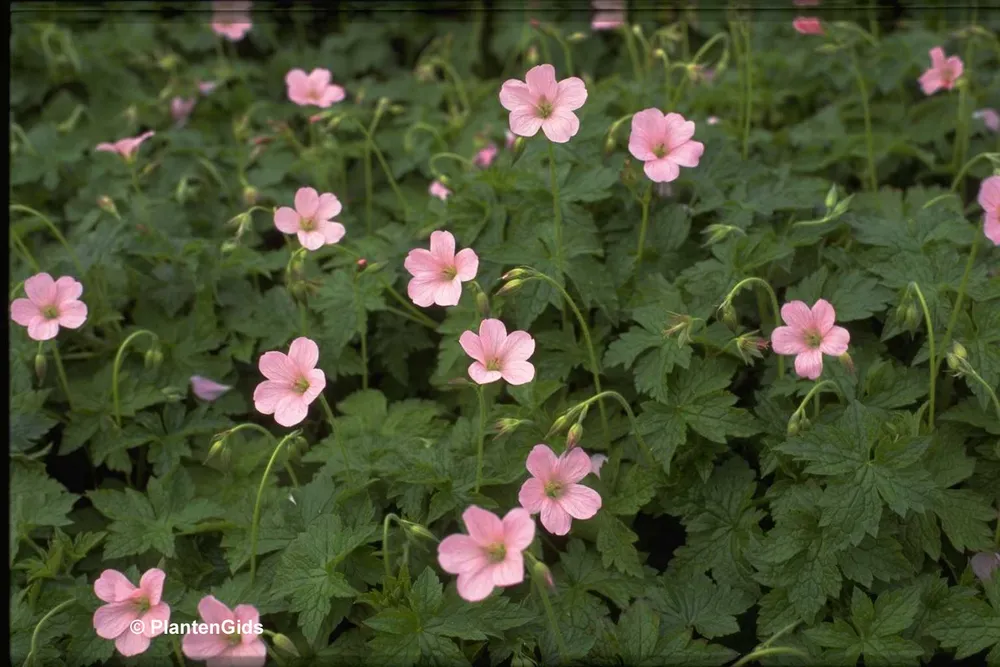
(506, 425)
(541, 572)
(574, 435)
(728, 314)
(284, 643)
(483, 304)
(250, 195)
(106, 204)
(417, 530)
(831, 198)
(510, 286)
(957, 357)
(41, 366)
(153, 357)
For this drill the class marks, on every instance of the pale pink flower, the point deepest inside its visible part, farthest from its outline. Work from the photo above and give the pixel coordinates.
(990, 118)
(50, 304)
(180, 109)
(985, 564)
(491, 554)
(311, 219)
(498, 355)
(989, 199)
(608, 14)
(508, 139)
(236, 642)
(809, 335)
(438, 273)
(437, 189)
(128, 604)
(808, 25)
(207, 87)
(663, 143)
(944, 72)
(553, 489)
(207, 390)
(485, 156)
(125, 147)
(313, 88)
(293, 382)
(713, 120)
(597, 461)
(231, 19)
(540, 102)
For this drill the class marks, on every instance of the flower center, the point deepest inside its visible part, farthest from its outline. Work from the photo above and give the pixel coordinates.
(553, 489)
(301, 385)
(234, 639)
(142, 605)
(496, 553)
(307, 224)
(449, 272)
(544, 108)
(50, 312)
(812, 339)
(659, 150)
(492, 364)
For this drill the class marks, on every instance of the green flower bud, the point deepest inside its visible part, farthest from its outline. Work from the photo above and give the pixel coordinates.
(106, 204)
(417, 530)
(532, 55)
(284, 643)
(250, 195)
(574, 435)
(41, 366)
(728, 315)
(153, 357)
(541, 572)
(510, 286)
(229, 246)
(831, 197)
(483, 304)
(506, 425)
(576, 37)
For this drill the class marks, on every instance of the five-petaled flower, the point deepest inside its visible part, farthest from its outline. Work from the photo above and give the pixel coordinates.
(313, 88)
(943, 73)
(438, 273)
(553, 489)
(125, 147)
(541, 102)
(498, 355)
(231, 19)
(293, 382)
(242, 648)
(311, 219)
(663, 143)
(129, 608)
(491, 554)
(50, 304)
(809, 335)
(989, 199)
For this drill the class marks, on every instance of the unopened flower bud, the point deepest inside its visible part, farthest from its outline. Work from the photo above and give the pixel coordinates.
(957, 356)
(718, 232)
(250, 195)
(798, 423)
(542, 573)
(559, 424)
(168, 62)
(532, 55)
(680, 325)
(219, 444)
(908, 315)
(397, 109)
(609, 145)
(659, 53)
(637, 30)
(831, 197)
(506, 425)
(416, 530)
(153, 358)
(132, 114)
(41, 366)
(510, 286)
(229, 246)
(362, 264)
(182, 190)
(728, 314)
(847, 362)
(750, 346)
(284, 643)
(173, 394)
(515, 273)
(106, 204)
(482, 304)
(576, 37)
(574, 435)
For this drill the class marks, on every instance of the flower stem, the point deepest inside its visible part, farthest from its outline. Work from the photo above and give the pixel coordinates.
(961, 173)
(632, 53)
(62, 375)
(30, 660)
(386, 559)
(55, 232)
(451, 156)
(480, 437)
(774, 305)
(979, 378)
(869, 145)
(551, 615)
(953, 320)
(255, 523)
(23, 249)
(556, 208)
(456, 81)
(642, 227)
(595, 368)
(336, 434)
(933, 353)
(814, 394)
(116, 369)
(763, 652)
(748, 65)
(176, 643)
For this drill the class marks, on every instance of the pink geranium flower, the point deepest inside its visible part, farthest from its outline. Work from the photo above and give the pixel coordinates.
(985, 564)
(293, 382)
(180, 109)
(437, 189)
(236, 641)
(125, 147)
(597, 461)
(944, 72)
(207, 390)
(609, 14)
(231, 19)
(50, 304)
(808, 25)
(498, 355)
(128, 604)
(438, 273)
(809, 335)
(491, 554)
(989, 199)
(311, 219)
(990, 118)
(540, 102)
(663, 143)
(313, 88)
(553, 489)
(485, 156)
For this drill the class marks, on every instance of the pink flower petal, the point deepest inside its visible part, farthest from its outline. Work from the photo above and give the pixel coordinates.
(448, 292)
(252, 653)
(212, 610)
(518, 346)
(514, 95)
(472, 345)
(542, 463)
(23, 311)
(511, 571)
(492, 334)
(159, 613)
(466, 264)
(835, 341)
(41, 289)
(662, 170)
(290, 410)
(306, 202)
(796, 314)
(786, 340)
(483, 526)
(73, 315)
(480, 375)
(304, 353)
(809, 364)
(111, 620)
(329, 207)
(678, 130)
(68, 289)
(579, 501)
(332, 231)
(461, 553)
(203, 647)
(443, 247)
(113, 586)
(42, 329)
(687, 154)
(151, 585)
(267, 394)
(573, 466)
(525, 122)
(823, 316)
(420, 260)
(597, 462)
(423, 291)
(475, 586)
(519, 529)
(532, 495)
(518, 372)
(561, 126)
(130, 643)
(541, 80)
(555, 519)
(287, 220)
(278, 367)
(572, 93)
